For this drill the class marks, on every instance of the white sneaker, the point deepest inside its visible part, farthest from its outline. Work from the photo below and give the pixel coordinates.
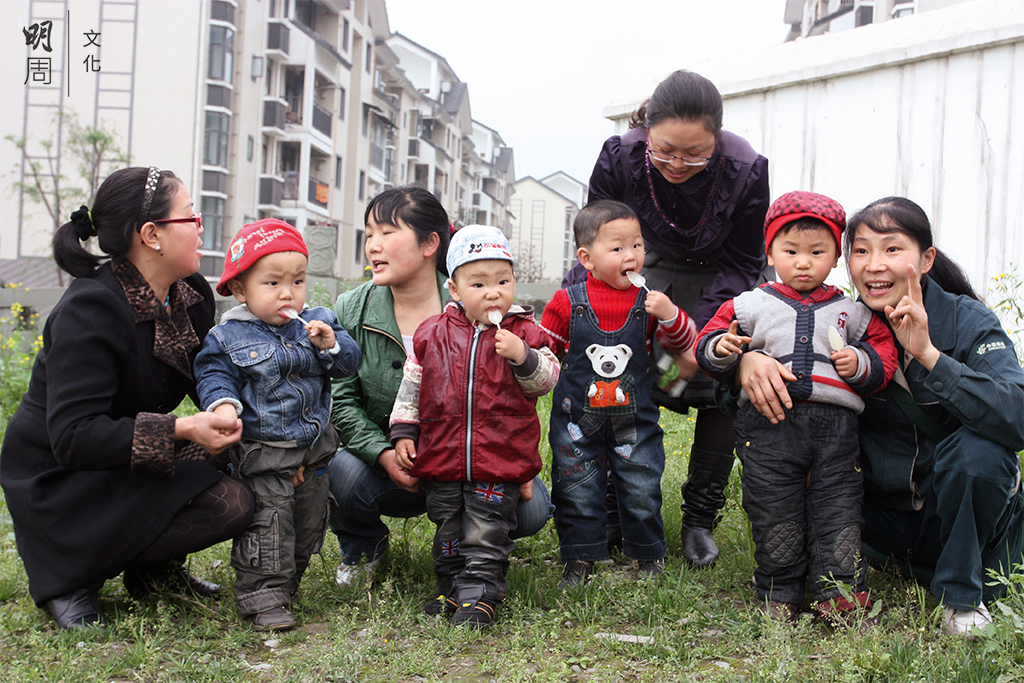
(350, 574)
(966, 622)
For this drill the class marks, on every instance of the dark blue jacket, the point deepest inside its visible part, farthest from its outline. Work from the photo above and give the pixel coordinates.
(977, 384)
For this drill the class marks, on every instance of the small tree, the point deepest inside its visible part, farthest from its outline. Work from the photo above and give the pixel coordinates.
(529, 266)
(91, 151)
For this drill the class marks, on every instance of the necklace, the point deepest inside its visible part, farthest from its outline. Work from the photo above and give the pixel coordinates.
(654, 198)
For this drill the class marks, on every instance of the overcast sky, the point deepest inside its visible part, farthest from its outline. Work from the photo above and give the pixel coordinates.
(541, 72)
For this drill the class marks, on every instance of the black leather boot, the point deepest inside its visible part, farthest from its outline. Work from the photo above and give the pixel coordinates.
(78, 609)
(703, 497)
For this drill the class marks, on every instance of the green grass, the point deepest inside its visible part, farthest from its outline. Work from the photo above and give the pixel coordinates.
(704, 623)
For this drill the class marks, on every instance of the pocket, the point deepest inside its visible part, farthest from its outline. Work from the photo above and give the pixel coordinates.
(257, 549)
(257, 360)
(316, 541)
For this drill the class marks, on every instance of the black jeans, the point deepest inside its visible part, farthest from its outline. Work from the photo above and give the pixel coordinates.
(803, 491)
(474, 526)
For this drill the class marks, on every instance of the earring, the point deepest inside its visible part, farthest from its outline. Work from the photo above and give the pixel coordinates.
(158, 250)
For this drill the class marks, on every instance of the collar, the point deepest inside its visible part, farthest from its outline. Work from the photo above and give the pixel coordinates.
(379, 311)
(815, 296)
(173, 336)
(942, 314)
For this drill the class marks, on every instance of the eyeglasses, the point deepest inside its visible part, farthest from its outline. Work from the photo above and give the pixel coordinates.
(197, 219)
(666, 158)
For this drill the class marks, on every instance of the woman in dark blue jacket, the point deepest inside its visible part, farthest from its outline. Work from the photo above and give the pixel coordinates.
(939, 446)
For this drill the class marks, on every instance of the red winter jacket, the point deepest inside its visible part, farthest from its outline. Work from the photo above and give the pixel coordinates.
(476, 424)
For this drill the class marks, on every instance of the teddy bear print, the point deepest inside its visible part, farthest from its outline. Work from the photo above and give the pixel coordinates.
(610, 394)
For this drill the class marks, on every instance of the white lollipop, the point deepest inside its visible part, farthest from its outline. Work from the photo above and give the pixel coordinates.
(495, 318)
(835, 339)
(289, 312)
(636, 279)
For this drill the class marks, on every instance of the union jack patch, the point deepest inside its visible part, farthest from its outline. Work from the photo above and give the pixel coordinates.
(450, 548)
(490, 492)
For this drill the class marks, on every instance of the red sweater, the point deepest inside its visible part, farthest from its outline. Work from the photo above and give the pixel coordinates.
(612, 307)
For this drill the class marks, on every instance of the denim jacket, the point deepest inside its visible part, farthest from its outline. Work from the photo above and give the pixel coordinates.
(274, 374)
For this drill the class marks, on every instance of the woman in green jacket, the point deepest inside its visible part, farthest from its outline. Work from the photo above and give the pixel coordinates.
(407, 233)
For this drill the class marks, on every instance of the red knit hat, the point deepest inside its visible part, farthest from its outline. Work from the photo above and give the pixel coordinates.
(795, 205)
(253, 242)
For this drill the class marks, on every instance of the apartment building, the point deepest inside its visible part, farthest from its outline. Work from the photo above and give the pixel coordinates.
(488, 179)
(814, 17)
(543, 212)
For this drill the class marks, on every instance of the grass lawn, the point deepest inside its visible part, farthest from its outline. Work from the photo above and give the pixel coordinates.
(700, 625)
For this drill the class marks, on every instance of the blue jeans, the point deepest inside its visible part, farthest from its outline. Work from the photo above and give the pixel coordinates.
(972, 520)
(802, 491)
(579, 475)
(363, 496)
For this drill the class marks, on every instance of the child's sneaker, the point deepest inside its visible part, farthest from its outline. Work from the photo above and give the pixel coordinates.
(575, 573)
(442, 604)
(850, 613)
(353, 574)
(476, 607)
(651, 569)
(276, 619)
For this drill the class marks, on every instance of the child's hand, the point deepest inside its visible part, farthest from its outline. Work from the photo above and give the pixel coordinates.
(731, 343)
(321, 334)
(845, 362)
(659, 305)
(226, 410)
(526, 490)
(509, 346)
(298, 478)
(405, 453)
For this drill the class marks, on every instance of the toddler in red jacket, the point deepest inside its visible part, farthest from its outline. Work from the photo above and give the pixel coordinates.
(465, 421)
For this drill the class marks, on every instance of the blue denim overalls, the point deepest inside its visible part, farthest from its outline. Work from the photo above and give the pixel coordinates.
(603, 420)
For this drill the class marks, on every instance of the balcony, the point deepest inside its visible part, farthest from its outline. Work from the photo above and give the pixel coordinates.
(321, 119)
(274, 114)
(376, 156)
(319, 192)
(414, 149)
(277, 39)
(271, 190)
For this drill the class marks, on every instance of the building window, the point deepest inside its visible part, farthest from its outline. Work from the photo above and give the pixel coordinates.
(341, 104)
(216, 149)
(360, 246)
(362, 185)
(250, 148)
(213, 222)
(222, 40)
(344, 35)
(365, 127)
(537, 215)
(337, 172)
(369, 56)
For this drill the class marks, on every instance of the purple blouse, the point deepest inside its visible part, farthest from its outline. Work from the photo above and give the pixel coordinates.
(718, 214)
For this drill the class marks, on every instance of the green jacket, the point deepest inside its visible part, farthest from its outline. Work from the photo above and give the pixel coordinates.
(363, 402)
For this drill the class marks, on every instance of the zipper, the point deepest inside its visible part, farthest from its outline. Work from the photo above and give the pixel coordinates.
(469, 403)
(386, 334)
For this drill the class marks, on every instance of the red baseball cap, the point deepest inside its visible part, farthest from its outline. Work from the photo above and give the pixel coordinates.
(794, 205)
(253, 242)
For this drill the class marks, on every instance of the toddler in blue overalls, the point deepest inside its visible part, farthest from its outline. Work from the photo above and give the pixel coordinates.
(603, 420)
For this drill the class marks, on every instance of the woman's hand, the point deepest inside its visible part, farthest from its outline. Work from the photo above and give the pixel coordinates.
(213, 431)
(909, 322)
(764, 379)
(387, 459)
(526, 490)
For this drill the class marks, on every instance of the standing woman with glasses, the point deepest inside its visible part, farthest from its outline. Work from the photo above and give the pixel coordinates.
(701, 194)
(99, 477)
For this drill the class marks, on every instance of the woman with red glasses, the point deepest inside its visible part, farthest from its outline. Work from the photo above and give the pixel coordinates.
(701, 194)
(99, 477)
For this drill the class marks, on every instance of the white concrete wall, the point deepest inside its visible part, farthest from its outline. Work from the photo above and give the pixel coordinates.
(929, 107)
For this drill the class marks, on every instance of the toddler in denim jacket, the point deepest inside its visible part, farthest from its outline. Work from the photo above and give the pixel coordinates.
(270, 362)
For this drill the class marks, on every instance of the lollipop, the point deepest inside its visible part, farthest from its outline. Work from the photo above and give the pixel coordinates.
(835, 339)
(289, 312)
(495, 318)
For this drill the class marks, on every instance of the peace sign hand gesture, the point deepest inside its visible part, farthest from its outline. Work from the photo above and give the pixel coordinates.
(909, 321)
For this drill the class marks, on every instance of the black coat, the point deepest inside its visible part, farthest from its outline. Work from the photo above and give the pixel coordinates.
(80, 514)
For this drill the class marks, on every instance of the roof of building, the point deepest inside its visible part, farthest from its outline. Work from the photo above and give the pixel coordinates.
(35, 272)
(552, 191)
